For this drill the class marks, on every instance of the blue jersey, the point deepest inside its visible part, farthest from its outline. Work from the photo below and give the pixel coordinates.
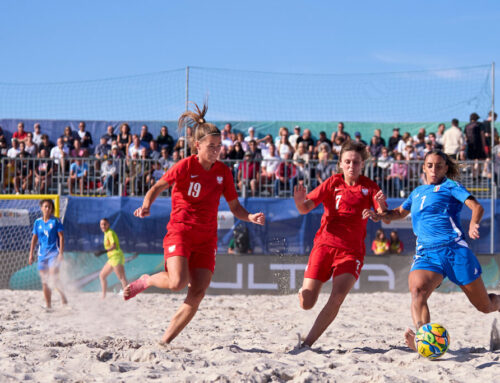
(435, 213)
(47, 233)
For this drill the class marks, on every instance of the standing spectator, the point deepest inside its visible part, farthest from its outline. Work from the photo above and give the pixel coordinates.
(124, 138)
(293, 137)
(395, 245)
(228, 128)
(380, 244)
(102, 150)
(439, 134)
(487, 132)
(286, 176)
(20, 134)
(109, 176)
(307, 138)
(31, 148)
(14, 150)
(248, 174)
(398, 175)
(165, 140)
(37, 134)
(43, 172)
(58, 153)
(110, 135)
(340, 132)
(394, 140)
(68, 138)
(476, 142)
(153, 154)
(145, 136)
(78, 172)
(84, 136)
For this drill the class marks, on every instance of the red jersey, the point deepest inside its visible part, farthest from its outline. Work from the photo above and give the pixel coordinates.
(196, 193)
(342, 225)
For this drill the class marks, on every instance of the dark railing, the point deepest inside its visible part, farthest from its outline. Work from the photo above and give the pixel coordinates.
(266, 178)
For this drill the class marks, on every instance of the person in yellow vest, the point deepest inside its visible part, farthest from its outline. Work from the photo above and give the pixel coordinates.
(380, 244)
(116, 259)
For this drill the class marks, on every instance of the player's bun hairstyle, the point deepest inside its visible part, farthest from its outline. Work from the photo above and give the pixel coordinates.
(49, 201)
(353, 146)
(196, 121)
(453, 168)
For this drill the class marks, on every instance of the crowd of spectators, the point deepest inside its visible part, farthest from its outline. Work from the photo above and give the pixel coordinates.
(262, 165)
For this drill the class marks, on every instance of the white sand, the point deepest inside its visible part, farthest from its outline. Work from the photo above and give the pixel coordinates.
(235, 338)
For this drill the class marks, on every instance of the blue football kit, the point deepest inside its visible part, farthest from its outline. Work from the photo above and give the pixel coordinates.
(441, 246)
(48, 241)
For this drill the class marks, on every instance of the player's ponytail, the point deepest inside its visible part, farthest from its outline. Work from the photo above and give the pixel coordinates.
(196, 121)
(453, 172)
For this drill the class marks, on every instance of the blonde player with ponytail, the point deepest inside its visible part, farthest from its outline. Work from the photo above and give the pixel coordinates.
(190, 244)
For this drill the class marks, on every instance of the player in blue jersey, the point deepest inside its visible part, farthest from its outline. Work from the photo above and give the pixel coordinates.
(48, 232)
(442, 250)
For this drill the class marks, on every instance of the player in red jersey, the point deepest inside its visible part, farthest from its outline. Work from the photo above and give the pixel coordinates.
(191, 241)
(339, 247)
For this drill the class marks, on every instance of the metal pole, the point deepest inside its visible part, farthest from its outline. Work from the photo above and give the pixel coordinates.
(492, 140)
(187, 107)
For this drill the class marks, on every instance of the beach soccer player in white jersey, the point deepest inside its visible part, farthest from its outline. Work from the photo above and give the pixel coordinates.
(190, 244)
(48, 232)
(442, 250)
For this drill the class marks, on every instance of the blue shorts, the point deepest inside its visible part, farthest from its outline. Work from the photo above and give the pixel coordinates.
(455, 261)
(48, 261)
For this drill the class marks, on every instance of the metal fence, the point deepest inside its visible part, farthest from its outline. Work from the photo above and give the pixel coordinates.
(267, 178)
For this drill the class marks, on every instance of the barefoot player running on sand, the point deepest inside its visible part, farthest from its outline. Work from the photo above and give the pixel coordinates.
(191, 241)
(339, 245)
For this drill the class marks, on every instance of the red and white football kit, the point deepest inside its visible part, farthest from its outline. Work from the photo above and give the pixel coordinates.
(192, 229)
(339, 244)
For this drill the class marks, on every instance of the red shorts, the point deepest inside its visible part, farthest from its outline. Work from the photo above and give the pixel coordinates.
(198, 246)
(325, 261)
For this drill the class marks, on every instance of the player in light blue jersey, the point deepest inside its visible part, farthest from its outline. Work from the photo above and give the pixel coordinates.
(48, 232)
(442, 250)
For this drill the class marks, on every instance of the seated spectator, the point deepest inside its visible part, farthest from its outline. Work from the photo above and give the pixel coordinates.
(134, 171)
(378, 133)
(394, 140)
(78, 172)
(58, 154)
(406, 139)
(23, 174)
(22, 149)
(264, 143)
(251, 134)
(236, 153)
(14, 151)
(324, 170)
(223, 154)
(124, 138)
(102, 150)
(323, 139)
(68, 138)
(20, 134)
(395, 245)
(37, 134)
(383, 168)
(84, 137)
(307, 138)
(324, 151)
(398, 175)
(46, 144)
(153, 154)
(110, 135)
(116, 153)
(376, 147)
(254, 151)
(419, 145)
(293, 137)
(269, 165)
(175, 157)
(43, 172)
(286, 176)
(380, 244)
(340, 132)
(421, 131)
(357, 138)
(301, 161)
(226, 141)
(155, 174)
(240, 243)
(439, 135)
(145, 136)
(164, 160)
(3, 149)
(77, 150)
(31, 148)
(135, 147)
(336, 148)
(109, 176)
(228, 128)
(284, 147)
(180, 145)
(248, 174)
(9, 174)
(282, 132)
(165, 140)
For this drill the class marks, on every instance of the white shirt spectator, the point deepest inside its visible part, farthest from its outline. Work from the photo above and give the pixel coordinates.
(453, 140)
(108, 169)
(57, 153)
(270, 163)
(13, 152)
(37, 138)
